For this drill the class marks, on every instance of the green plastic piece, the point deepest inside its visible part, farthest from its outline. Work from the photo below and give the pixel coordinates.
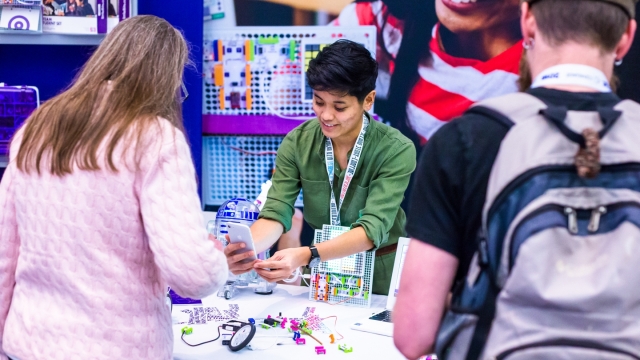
(292, 50)
(268, 40)
(252, 55)
(187, 330)
(345, 349)
(265, 326)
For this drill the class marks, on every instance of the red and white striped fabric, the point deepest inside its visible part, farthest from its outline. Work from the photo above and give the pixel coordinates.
(448, 86)
(389, 31)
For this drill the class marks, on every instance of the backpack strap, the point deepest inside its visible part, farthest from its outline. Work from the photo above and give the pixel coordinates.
(509, 109)
(557, 114)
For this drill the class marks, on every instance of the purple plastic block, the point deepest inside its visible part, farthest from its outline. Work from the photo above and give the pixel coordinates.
(249, 124)
(177, 299)
(301, 341)
(16, 104)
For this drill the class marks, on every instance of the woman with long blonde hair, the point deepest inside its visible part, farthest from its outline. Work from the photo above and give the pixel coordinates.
(99, 210)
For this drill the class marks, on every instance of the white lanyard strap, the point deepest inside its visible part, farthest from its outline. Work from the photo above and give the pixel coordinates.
(351, 170)
(573, 74)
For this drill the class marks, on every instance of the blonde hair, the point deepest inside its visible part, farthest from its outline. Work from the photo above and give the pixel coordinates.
(132, 79)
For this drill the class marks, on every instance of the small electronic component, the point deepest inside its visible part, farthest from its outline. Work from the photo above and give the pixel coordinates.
(235, 100)
(346, 349)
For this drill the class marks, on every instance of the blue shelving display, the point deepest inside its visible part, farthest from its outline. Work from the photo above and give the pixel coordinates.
(51, 61)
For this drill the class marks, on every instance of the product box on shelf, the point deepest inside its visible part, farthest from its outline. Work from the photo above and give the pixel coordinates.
(83, 16)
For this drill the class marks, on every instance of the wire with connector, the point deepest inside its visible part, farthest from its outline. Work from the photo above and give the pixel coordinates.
(187, 331)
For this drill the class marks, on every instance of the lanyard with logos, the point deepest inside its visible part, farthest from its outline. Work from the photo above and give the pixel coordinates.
(351, 170)
(573, 74)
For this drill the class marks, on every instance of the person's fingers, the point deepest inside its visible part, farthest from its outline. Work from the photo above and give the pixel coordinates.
(239, 257)
(272, 276)
(240, 268)
(217, 245)
(268, 264)
(231, 248)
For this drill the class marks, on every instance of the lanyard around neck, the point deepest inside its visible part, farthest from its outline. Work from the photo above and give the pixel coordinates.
(351, 170)
(573, 74)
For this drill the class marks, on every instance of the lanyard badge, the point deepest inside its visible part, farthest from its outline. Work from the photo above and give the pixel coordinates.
(351, 170)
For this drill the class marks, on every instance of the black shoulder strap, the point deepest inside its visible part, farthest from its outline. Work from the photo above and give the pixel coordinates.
(487, 311)
(557, 114)
(491, 114)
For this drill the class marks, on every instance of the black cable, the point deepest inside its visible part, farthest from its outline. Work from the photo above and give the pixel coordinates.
(202, 343)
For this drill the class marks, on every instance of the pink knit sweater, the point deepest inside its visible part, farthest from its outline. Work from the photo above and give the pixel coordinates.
(85, 259)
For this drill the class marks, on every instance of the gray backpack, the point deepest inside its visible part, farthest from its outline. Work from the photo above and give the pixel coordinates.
(558, 259)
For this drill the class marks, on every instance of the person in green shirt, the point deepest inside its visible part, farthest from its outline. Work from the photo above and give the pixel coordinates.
(366, 166)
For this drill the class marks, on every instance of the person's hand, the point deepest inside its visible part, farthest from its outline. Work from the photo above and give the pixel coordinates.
(237, 260)
(216, 243)
(283, 263)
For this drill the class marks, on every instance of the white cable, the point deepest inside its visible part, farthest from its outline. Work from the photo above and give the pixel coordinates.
(304, 278)
(268, 104)
(296, 274)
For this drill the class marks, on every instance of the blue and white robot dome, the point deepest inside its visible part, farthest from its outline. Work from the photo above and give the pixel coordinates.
(236, 210)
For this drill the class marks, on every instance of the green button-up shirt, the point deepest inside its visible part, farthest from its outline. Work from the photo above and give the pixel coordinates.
(372, 201)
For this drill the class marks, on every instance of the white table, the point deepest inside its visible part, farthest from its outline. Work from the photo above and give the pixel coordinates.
(291, 301)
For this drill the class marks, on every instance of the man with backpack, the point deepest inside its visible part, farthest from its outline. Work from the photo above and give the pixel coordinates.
(528, 206)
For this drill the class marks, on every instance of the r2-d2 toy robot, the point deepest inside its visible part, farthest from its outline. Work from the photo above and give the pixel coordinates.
(239, 211)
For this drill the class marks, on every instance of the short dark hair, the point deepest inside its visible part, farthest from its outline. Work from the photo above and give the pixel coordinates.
(593, 22)
(344, 66)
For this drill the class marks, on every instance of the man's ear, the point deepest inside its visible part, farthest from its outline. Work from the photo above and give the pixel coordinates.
(627, 39)
(369, 100)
